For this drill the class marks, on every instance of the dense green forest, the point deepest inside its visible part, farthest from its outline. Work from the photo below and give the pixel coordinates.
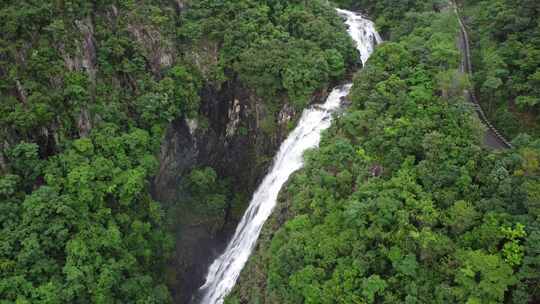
(506, 56)
(87, 90)
(402, 203)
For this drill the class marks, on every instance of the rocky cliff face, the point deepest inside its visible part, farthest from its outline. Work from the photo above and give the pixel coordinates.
(236, 141)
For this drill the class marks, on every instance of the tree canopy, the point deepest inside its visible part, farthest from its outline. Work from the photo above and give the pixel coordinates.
(402, 203)
(506, 58)
(87, 89)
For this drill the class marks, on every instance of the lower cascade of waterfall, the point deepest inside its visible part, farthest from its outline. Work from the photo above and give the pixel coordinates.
(225, 270)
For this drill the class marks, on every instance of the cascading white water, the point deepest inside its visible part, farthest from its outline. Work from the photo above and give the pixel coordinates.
(224, 271)
(363, 32)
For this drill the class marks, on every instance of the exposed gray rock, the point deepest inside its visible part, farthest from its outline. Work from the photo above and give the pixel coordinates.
(286, 114)
(205, 56)
(84, 123)
(234, 118)
(3, 162)
(88, 47)
(180, 5)
(178, 155)
(243, 157)
(21, 92)
(192, 124)
(158, 50)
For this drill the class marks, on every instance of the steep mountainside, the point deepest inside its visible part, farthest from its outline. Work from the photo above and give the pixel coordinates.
(401, 203)
(130, 128)
(133, 133)
(506, 56)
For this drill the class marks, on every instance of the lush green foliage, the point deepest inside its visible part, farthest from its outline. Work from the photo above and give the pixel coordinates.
(77, 221)
(86, 90)
(207, 196)
(275, 46)
(401, 204)
(91, 233)
(506, 58)
(65, 64)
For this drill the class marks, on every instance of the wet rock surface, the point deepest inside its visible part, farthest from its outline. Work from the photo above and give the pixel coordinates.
(234, 143)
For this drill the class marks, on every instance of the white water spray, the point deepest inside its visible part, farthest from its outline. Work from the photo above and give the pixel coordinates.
(224, 271)
(363, 32)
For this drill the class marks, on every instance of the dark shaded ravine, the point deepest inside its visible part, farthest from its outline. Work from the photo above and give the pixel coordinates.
(225, 270)
(243, 157)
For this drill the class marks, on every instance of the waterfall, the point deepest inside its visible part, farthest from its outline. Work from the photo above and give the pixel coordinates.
(224, 271)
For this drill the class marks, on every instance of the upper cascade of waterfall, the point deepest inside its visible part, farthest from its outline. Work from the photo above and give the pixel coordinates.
(362, 31)
(225, 270)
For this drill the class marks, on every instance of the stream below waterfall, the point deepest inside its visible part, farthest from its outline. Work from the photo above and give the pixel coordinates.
(225, 270)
